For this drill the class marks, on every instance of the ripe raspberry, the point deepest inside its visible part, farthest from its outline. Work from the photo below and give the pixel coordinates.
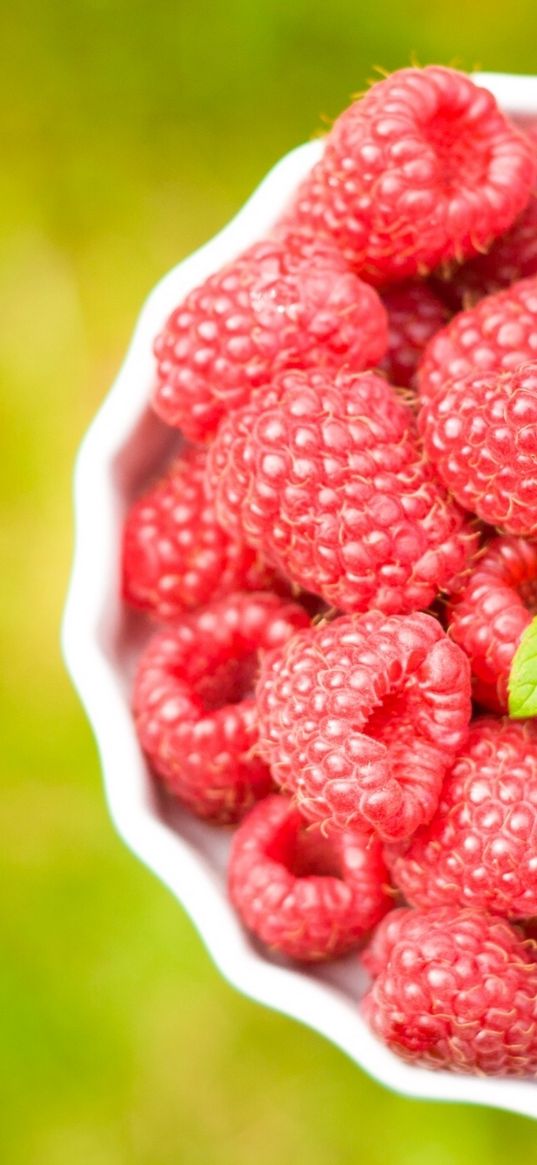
(176, 555)
(421, 170)
(489, 615)
(527, 122)
(415, 314)
(480, 432)
(288, 302)
(454, 989)
(360, 718)
(303, 895)
(195, 714)
(498, 334)
(529, 928)
(324, 476)
(480, 849)
(511, 258)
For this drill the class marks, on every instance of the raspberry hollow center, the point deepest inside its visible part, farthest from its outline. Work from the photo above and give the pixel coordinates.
(304, 852)
(390, 712)
(459, 150)
(229, 683)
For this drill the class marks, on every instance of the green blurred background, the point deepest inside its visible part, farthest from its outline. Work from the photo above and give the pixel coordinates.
(132, 132)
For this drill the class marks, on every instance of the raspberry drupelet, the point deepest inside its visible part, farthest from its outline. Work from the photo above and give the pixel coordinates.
(175, 554)
(285, 302)
(415, 314)
(303, 895)
(488, 616)
(193, 702)
(480, 849)
(360, 718)
(454, 989)
(510, 258)
(421, 170)
(480, 434)
(497, 335)
(323, 474)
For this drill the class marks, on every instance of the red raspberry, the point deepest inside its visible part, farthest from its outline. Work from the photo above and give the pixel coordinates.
(324, 476)
(454, 989)
(529, 928)
(284, 303)
(480, 432)
(489, 615)
(480, 849)
(415, 314)
(303, 895)
(423, 169)
(498, 334)
(512, 257)
(527, 122)
(361, 717)
(195, 714)
(176, 555)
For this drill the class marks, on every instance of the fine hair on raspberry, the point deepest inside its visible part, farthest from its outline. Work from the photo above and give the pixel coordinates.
(513, 256)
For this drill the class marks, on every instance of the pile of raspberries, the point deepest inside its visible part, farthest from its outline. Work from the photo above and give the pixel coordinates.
(342, 563)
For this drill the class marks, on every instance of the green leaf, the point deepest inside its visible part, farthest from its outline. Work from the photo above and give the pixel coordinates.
(523, 677)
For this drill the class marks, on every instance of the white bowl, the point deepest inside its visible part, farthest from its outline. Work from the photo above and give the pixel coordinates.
(123, 447)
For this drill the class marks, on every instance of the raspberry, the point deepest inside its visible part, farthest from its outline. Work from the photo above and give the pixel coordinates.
(528, 124)
(511, 258)
(415, 314)
(303, 895)
(323, 475)
(421, 170)
(360, 718)
(195, 714)
(480, 849)
(480, 432)
(498, 334)
(288, 302)
(488, 616)
(176, 555)
(454, 989)
(529, 928)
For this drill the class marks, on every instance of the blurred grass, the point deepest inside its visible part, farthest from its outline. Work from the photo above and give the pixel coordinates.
(131, 131)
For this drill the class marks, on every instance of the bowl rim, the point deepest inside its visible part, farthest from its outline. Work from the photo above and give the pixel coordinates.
(89, 618)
